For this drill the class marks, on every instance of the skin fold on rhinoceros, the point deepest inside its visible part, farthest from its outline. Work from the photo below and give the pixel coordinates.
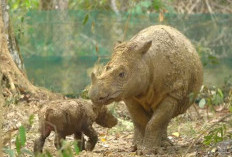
(155, 73)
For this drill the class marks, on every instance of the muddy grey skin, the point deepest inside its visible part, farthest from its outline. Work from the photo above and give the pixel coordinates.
(67, 117)
(155, 73)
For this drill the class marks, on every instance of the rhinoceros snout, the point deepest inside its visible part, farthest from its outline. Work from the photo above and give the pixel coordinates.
(92, 94)
(103, 97)
(97, 96)
(100, 98)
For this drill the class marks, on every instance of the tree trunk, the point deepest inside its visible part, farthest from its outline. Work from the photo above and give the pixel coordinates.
(14, 82)
(11, 40)
(53, 4)
(1, 110)
(46, 4)
(116, 31)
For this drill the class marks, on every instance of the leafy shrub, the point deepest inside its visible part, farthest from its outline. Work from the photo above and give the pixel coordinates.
(210, 96)
(20, 142)
(21, 150)
(217, 135)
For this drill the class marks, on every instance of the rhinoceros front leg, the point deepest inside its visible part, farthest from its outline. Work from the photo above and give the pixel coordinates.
(140, 119)
(165, 140)
(156, 129)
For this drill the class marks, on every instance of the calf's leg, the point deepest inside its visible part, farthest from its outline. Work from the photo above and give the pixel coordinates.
(80, 140)
(58, 139)
(93, 138)
(39, 142)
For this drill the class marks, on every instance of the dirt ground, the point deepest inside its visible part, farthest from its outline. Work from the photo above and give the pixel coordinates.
(184, 131)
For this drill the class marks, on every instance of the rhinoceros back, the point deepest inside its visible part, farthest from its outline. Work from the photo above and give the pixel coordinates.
(174, 64)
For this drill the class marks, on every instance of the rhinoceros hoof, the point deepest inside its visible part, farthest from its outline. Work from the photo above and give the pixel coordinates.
(150, 151)
(136, 146)
(166, 143)
(89, 146)
(133, 148)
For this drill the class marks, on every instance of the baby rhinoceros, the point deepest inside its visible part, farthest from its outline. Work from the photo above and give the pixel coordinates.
(67, 117)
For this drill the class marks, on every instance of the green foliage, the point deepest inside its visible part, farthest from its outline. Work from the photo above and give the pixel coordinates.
(149, 6)
(20, 146)
(20, 140)
(217, 98)
(202, 103)
(218, 134)
(227, 87)
(71, 95)
(229, 99)
(141, 7)
(85, 19)
(9, 152)
(163, 5)
(22, 135)
(67, 149)
(31, 119)
(14, 99)
(89, 4)
(76, 148)
(137, 6)
(211, 96)
(158, 5)
(84, 94)
(20, 143)
(23, 4)
(47, 154)
(21, 7)
(207, 56)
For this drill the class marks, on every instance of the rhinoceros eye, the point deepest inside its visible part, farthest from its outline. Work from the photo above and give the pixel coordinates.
(107, 68)
(122, 74)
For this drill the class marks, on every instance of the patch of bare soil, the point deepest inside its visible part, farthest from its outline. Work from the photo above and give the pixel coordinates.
(184, 131)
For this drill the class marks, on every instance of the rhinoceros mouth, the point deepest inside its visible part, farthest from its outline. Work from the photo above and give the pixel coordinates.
(115, 95)
(104, 101)
(110, 98)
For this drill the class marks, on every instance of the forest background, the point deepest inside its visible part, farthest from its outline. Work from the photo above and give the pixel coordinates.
(59, 42)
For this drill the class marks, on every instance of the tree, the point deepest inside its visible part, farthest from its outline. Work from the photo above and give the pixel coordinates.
(1, 104)
(11, 40)
(14, 82)
(53, 4)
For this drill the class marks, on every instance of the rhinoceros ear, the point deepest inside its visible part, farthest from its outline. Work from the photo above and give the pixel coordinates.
(117, 43)
(93, 77)
(145, 47)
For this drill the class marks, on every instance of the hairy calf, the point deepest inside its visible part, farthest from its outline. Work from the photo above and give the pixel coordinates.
(67, 117)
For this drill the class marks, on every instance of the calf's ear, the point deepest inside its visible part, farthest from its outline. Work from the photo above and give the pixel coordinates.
(145, 47)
